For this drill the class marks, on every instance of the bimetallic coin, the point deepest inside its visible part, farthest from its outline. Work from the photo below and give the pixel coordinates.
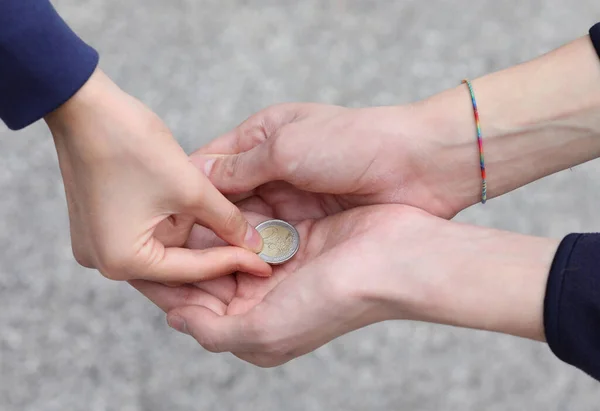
(280, 241)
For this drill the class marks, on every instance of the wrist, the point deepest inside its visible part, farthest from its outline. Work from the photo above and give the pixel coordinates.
(76, 111)
(447, 119)
(537, 118)
(421, 163)
(481, 278)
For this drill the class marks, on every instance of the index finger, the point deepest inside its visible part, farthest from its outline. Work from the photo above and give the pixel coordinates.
(213, 210)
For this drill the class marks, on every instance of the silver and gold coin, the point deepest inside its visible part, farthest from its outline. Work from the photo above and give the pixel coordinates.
(280, 241)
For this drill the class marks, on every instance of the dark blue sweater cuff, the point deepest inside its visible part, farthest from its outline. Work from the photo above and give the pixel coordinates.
(595, 37)
(572, 303)
(42, 62)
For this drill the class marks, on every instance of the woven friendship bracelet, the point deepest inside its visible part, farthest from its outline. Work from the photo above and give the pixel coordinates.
(479, 142)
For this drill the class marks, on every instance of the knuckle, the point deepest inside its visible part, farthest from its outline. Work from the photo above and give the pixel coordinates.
(273, 113)
(271, 120)
(252, 136)
(236, 260)
(231, 167)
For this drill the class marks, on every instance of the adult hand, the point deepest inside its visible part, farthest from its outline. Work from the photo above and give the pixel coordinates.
(323, 292)
(359, 267)
(133, 195)
(357, 156)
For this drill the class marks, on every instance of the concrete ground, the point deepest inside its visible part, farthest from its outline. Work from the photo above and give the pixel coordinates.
(71, 340)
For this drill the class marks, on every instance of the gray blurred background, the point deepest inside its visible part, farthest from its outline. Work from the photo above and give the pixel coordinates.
(71, 340)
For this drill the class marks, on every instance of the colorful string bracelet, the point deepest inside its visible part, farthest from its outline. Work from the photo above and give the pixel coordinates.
(479, 142)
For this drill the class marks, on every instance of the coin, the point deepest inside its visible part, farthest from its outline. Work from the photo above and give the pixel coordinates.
(280, 241)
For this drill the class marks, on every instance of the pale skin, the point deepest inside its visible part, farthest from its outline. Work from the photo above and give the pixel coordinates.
(133, 194)
(375, 241)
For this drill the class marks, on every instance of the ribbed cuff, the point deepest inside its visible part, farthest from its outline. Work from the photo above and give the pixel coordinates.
(42, 61)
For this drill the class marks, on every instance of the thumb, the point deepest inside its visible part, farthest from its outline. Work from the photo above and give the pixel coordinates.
(239, 173)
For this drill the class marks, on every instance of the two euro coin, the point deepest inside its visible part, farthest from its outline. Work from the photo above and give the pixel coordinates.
(280, 241)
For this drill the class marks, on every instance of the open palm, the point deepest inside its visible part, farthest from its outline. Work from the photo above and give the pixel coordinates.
(306, 302)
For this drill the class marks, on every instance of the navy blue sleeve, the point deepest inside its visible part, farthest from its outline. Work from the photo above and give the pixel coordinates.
(572, 303)
(42, 62)
(595, 37)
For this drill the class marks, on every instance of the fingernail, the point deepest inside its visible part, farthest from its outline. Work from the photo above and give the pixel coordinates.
(177, 323)
(208, 165)
(253, 240)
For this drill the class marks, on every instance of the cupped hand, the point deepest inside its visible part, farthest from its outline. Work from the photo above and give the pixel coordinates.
(330, 287)
(133, 195)
(353, 156)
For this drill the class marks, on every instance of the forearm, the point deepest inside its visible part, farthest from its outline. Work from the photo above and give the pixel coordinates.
(504, 282)
(478, 278)
(537, 118)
